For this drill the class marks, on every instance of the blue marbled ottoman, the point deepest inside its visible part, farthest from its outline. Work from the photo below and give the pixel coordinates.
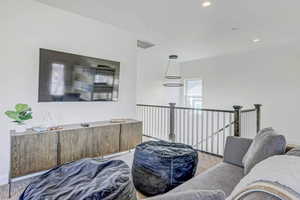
(87, 179)
(160, 166)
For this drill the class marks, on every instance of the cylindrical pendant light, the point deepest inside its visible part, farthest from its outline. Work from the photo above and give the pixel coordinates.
(172, 79)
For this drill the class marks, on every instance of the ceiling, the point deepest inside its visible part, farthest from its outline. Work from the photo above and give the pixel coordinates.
(186, 28)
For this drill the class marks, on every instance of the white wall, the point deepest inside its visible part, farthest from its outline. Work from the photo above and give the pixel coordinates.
(151, 67)
(26, 26)
(269, 76)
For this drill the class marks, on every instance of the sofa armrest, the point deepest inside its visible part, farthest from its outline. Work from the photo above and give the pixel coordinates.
(235, 149)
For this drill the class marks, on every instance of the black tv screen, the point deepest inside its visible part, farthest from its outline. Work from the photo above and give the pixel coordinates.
(70, 77)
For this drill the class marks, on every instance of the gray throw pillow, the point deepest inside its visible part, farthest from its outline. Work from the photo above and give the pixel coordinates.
(192, 195)
(294, 152)
(266, 144)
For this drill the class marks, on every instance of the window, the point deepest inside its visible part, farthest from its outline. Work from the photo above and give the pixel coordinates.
(193, 93)
(57, 87)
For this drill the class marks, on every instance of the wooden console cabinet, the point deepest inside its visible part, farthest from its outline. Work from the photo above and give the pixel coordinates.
(33, 152)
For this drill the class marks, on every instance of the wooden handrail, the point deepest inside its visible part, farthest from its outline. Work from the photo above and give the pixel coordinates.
(248, 110)
(148, 105)
(186, 108)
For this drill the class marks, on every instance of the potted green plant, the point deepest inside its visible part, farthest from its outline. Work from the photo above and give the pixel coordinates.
(20, 115)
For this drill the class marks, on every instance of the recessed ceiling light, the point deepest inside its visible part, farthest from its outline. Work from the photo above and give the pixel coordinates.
(255, 40)
(206, 4)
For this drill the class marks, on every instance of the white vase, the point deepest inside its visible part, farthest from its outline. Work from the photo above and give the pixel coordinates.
(19, 128)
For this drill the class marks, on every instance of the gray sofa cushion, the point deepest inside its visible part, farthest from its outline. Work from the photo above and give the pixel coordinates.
(192, 195)
(266, 144)
(235, 150)
(223, 177)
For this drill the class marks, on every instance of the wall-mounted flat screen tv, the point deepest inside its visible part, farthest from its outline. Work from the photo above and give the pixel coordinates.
(69, 77)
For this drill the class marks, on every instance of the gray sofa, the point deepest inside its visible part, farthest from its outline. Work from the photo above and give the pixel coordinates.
(224, 176)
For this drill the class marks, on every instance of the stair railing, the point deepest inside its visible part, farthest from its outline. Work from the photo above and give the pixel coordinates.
(205, 129)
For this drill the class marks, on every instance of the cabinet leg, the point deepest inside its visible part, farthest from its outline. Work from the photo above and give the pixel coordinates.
(9, 188)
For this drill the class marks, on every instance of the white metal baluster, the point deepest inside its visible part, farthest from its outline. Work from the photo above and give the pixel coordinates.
(224, 132)
(197, 129)
(207, 133)
(230, 127)
(202, 130)
(212, 132)
(193, 123)
(184, 131)
(152, 122)
(158, 122)
(180, 125)
(218, 136)
(167, 124)
(145, 121)
(188, 127)
(148, 121)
